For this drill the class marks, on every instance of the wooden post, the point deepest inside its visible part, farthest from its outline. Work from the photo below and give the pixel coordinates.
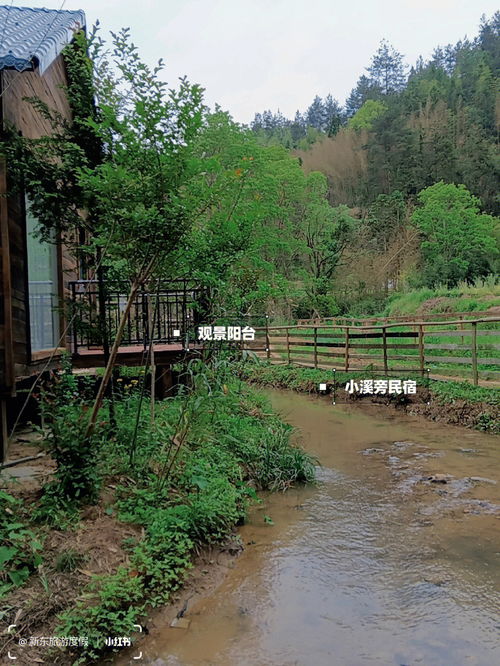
(346, 367)
(151, 326)
(288, 345)
(268, 342)
(9, 379)
(315, 346)
(474, 353)
(384, 341)
(462, 341)
(421, 348)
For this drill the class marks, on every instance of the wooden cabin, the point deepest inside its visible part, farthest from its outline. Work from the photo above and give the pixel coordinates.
(35, 275)
(38, 278)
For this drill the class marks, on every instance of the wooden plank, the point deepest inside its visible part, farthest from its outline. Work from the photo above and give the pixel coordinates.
(459, 347)
(357, 345)
(450, 346)
(47, 87)
(482, 320)
(389, 334)
(9, 376)
(293, 340)
(453, 334)
(462, 359)
(335, 354)
(485, 374)
(398, 318)
(321, 334)
(448, 359)
(396, 357)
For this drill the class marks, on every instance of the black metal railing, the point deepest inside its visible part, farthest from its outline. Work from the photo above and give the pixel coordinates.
(167, 313)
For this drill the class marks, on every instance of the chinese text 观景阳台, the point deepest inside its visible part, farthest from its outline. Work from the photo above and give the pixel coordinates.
(230, 333)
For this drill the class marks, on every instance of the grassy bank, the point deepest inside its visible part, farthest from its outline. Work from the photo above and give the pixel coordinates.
(170, 486)
(480, 296)
(452, 402)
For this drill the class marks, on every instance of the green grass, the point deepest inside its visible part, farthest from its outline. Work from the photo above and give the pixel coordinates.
(480, 296)
(192, 477)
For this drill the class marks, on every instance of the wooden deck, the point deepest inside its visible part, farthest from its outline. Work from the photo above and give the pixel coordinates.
(134, 355)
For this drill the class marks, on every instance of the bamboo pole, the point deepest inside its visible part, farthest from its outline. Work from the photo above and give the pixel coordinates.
(474, 354)
(112, 358)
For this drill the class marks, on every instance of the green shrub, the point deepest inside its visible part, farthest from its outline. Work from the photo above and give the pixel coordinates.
(111, 607)
(20, 547)
(77, 479)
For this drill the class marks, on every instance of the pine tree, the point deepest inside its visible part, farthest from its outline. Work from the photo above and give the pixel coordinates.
(365, 89)
(298, 128)
(315, 114)
(334, 116)
(256, 123)
(387, 69)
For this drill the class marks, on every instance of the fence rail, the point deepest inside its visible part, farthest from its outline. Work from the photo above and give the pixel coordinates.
(360, 321)
(157, 312)
(393, 346)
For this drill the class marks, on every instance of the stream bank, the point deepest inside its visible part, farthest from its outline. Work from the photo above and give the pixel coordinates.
(448, 402)
(392, 559)
(93, 568)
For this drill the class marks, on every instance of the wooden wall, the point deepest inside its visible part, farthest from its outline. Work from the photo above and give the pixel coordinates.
(13, 302)
(22, 114)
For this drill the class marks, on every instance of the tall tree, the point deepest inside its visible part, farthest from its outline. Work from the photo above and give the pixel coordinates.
(365, 89)
(458, 241)
(315, 114)
(334, 116)
(387, 69)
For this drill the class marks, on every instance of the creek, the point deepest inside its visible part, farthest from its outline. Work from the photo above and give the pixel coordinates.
(376, 564)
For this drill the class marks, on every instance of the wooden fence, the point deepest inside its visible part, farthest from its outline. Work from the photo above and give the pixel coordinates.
(460, 347)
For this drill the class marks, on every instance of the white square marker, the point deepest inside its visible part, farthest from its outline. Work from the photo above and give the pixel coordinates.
(177, 333)
(322, 387)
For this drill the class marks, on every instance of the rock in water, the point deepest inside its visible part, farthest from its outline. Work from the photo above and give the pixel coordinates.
(439, 478)
(180, 623)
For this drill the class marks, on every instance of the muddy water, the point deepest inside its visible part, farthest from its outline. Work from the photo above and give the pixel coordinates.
(373, 565)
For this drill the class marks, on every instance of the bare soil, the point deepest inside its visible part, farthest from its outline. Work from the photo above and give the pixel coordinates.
(97, 539)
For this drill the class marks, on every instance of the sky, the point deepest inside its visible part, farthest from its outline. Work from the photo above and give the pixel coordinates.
(252, 55)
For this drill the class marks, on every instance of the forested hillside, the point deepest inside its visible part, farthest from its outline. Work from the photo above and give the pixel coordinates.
(413, 155)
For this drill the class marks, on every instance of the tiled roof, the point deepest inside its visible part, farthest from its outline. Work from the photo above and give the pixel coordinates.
(35, 36)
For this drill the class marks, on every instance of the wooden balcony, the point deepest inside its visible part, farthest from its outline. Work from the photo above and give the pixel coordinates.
(167, 314)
